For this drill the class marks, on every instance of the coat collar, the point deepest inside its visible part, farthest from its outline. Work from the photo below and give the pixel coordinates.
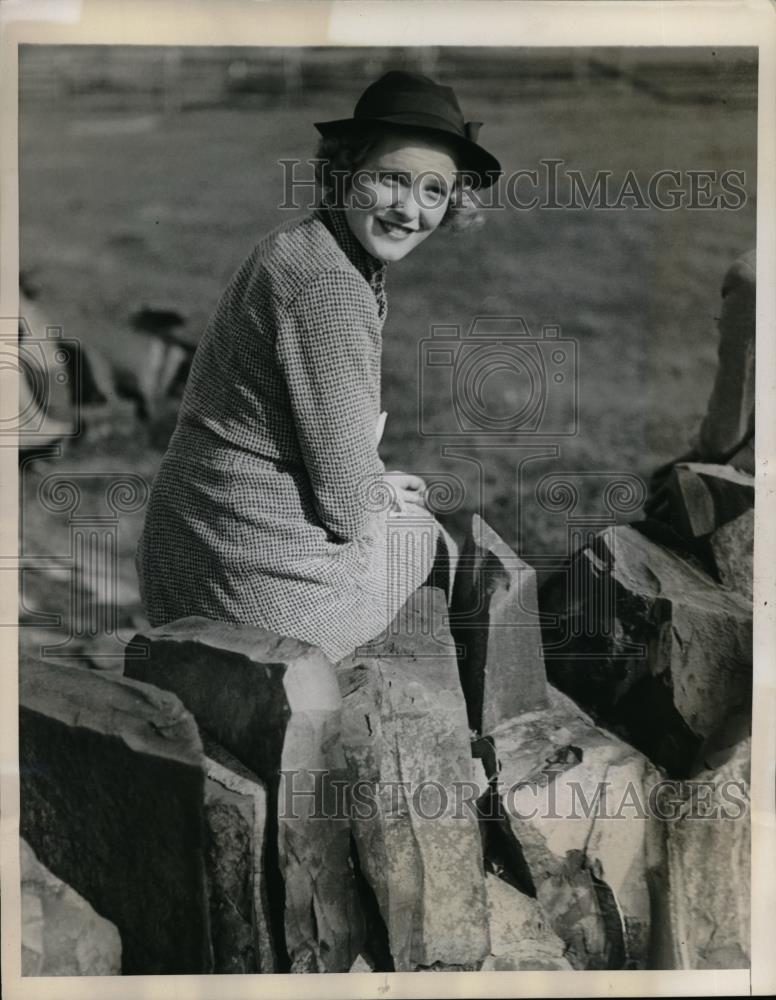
(371, 268)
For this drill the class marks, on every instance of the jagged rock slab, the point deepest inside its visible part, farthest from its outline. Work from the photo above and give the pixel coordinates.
(112, 787)
(562, 781)
(704, 497)
(732, 545)
(273, 702)
(61, 933)
(445, 563)
(520, 938)
(495, 619)
(236, 818)
(653, 647)
(729, 415)
(407, 746)
(709, 864)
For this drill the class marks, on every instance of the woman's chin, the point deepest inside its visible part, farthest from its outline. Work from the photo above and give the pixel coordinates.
(391, 250)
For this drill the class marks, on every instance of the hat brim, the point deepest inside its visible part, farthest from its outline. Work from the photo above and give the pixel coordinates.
(473, 158)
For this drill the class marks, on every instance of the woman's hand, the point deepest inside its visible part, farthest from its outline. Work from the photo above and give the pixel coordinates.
(406, 489)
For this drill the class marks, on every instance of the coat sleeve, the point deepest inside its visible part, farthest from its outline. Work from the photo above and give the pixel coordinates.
(328, 348)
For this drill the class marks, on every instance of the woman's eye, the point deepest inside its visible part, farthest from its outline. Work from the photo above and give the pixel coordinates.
(392, 178)
(434, 193)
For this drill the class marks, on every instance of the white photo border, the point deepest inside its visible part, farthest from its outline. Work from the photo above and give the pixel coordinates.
(415, 22)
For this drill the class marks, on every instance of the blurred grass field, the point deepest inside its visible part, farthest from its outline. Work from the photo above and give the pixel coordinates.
(120, 209)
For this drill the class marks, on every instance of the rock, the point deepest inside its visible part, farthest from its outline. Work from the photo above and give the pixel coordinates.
(733, 547)
(728, 425)
(274, 704)
(703, 497)
(574, 803)
(61, 933)
(652, 646)
(112, 802)
(46, 596)
(718, 748)
(115, 421)
(38, 428)
(167, 356)
(163, 323)
(98, 386)
(445, 563)
(50, 364)
(236, 818)
(520, 938)
(709, 862)
(165, 364)
(407, 747)
(479, 775)
(495, 618)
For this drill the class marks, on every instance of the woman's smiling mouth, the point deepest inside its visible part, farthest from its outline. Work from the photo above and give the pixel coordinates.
(395, 229)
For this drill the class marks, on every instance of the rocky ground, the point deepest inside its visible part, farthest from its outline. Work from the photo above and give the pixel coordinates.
(231, 802)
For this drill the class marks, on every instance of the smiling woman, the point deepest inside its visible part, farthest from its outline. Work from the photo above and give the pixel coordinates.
(400, 195)
(272, 506)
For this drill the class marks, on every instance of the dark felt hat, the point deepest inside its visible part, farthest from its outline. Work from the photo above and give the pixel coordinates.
(417, 103)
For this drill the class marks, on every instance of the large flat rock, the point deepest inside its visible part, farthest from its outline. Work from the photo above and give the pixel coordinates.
(412, 780)
(274, 703)
(112, 784)
(242, 684)
(574, 807)
(649, 644)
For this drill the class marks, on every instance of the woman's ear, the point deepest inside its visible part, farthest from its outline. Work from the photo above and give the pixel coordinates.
(464, 208)
(460, 195)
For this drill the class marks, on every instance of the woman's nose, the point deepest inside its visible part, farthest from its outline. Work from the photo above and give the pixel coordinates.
(405, 203)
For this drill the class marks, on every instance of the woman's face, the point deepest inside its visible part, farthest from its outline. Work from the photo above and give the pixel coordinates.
(400, 194)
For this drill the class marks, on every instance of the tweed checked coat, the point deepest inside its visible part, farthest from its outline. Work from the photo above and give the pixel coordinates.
(267, 507)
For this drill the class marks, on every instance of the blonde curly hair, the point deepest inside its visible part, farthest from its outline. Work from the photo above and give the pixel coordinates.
(339, 157)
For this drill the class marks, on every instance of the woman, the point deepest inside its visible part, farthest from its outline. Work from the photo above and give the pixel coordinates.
(264, 510)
